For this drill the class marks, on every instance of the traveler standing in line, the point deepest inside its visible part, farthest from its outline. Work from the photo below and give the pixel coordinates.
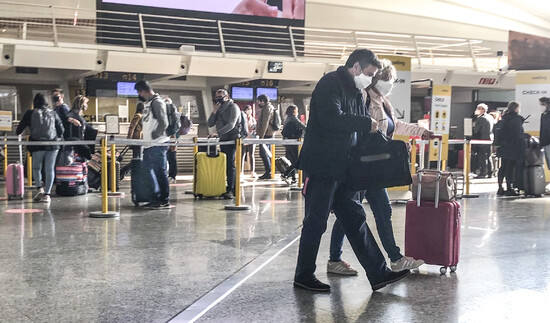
(227, 119)
(135, 131)
(268, 123)
(545, 128)
(249, 150)
(80, 104)
(45, 125)
(155, 123)
(172, 150)
(512, 148)
(62, 109)
(293, 129)
(338, 116)
(483, 128)
(380, 109)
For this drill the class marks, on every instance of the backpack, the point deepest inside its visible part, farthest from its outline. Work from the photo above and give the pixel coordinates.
(276, 121)
(244, 126)
(43, 125)
(498, 132)
(174, 122)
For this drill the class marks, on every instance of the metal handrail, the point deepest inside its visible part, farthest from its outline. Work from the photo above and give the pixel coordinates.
(202, 33)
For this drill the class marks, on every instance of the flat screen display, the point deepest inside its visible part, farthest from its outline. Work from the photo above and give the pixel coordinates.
(528, 52)
(126, 89)
(271, 92)
(289, 9)
(242, 93)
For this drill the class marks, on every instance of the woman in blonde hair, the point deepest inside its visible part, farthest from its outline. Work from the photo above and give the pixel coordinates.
(80, 105)
(381, 110)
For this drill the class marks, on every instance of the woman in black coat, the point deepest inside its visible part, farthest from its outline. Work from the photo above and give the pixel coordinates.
(545, 127)
(512, 148)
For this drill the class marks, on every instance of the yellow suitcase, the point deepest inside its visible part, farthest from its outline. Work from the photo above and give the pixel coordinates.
(210, 175)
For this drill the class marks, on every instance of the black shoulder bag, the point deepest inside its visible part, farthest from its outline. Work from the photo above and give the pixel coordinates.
(378, 162)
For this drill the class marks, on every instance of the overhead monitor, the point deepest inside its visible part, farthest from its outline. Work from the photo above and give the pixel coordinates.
(271, 92)
(528, 52)
(126, 89)
(294, 9)
(242, 93)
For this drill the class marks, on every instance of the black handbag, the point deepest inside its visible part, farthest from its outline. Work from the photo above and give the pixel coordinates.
(378, 162)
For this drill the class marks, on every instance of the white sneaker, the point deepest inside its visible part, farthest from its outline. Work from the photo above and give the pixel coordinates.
(45, 198)
(406, 263)
(340, 268)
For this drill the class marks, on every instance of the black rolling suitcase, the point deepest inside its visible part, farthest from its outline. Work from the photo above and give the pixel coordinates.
(142, 188)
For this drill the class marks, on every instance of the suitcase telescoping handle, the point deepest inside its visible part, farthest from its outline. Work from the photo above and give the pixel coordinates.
(422, 152)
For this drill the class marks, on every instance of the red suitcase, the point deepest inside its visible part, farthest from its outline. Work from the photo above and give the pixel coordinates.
(432, 230)
(433, 234)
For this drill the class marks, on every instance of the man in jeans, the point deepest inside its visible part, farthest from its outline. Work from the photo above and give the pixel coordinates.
(155, 122)
(338, 118)
(265, 130)
(227, 119)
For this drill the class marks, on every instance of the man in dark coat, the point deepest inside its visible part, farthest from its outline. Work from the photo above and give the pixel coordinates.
(337, 117)
(483, 128)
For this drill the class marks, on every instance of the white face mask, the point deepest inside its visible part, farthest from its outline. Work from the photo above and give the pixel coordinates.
(362, 81)
(384, 87)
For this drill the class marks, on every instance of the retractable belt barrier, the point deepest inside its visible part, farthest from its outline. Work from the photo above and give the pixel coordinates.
(195, 143)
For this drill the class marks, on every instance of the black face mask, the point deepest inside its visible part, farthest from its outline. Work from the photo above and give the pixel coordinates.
(56, 98)
(219, 100)
(142, 99)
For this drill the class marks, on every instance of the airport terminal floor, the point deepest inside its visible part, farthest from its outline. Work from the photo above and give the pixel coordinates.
(197, 260)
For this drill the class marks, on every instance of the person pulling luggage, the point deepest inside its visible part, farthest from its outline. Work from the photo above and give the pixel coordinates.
(338, 116)
(381, 109)
(226, 117)
(155, 123)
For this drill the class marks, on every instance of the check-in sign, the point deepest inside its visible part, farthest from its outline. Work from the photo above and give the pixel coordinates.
(6, 120)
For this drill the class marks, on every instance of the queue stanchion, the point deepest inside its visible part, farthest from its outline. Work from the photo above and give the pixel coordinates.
(5, 157)
(238, 165)
(413, 157)
(104, 213)
(272, 161)
(467, 167)
(114, 178)
(195, 151)
(29, 169)
(300, 183)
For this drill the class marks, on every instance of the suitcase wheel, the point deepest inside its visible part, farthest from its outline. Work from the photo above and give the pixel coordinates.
(443, 270)
(453, 268)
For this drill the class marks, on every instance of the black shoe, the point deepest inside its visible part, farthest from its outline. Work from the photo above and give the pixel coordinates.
(265, 176)
(228, 196)
(500, 192)
(157, 205)
(313, 285)
(391, 278)
(512, 192)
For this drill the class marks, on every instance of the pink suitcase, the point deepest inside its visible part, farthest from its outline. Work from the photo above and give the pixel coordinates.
(432, 229)
(433, 234)
(15, 182)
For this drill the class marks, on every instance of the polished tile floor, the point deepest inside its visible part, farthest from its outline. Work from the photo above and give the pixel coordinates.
(59, 265)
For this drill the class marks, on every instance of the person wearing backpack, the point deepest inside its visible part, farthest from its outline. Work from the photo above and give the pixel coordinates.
(228, 120)
(155, 123)
(45, 125)
(268, 124)
(293, 129)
